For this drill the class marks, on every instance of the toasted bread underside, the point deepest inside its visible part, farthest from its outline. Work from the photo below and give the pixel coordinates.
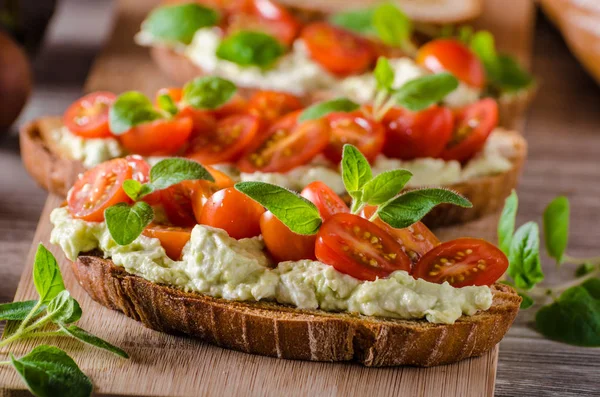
(55, 172)
(180, 69)
(275, 330)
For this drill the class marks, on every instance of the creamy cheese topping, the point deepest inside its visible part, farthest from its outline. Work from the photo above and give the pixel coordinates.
(217, 265)
(90, 151)
(297, 73)
(495, 158)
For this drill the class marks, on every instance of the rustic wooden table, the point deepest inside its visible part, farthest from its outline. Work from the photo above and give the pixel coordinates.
(563, 130)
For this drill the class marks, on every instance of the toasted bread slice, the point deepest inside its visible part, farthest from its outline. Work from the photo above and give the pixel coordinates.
(56, 172)
(180, 69)
(275, 330)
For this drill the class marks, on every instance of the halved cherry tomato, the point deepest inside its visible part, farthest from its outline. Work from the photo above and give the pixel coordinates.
(233, 212)
(282, 243)
(338, 50)
(98, 189)
(158, 138)
(205, 189)
(271, 105)
(236, 104)
(474, 124)
(139, 167)
(327, 201)
(226, 142)
(411, 135)
(452, 56)
(203, 120)
(416, 240)
(88, 116)
(266, 16)
(360, 248)
(286, 145)
(356, 129)
(172, 238)
(462, 262)
(222, 180)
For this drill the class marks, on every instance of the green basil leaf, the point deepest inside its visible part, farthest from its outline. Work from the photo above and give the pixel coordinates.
(166, 103)
(171, 171)
(135, 189)
(18, 310)
(322, 109)
(359, 21)
(422, 92)
(208, 92)
(130, 109)
(385, 186)
(512, 77)
(64, 309)
(412, 206)
(296, 212)
(178, 23)
(384, 74)
(247, 48)
(484, 46)
(49, 372)
(574, 318)
(356, 170)
(593, 287)
(585, 268)
(506, 225)
(527, 301)
(46, 275)
(524, 257)
(125, 223)
(556, 228)
(93, 340)
(392, 25)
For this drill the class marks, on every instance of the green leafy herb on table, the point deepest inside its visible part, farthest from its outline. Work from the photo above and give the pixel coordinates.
(397, 209)
(47, 370)
(573, 314)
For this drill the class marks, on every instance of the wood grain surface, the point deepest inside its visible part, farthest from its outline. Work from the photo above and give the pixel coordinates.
(563, 133)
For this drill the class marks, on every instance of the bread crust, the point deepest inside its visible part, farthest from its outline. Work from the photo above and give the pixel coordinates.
(56, 173)
(275, 330)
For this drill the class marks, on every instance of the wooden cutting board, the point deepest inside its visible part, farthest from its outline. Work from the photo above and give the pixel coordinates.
(164, 365)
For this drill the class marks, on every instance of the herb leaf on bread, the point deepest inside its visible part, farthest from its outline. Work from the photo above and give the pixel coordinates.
(322, 109)
(249, 48)
(178, 23)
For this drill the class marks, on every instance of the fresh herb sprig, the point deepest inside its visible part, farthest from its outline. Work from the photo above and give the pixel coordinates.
(133, 108)
(397, 209)
(48, 370)
(249, 48)
(126, 222)
(414, 95)
(179, 23)
(573, 314)
(386, 22)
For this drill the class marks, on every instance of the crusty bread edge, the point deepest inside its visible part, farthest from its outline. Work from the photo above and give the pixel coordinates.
(51, 170)
(280, 331)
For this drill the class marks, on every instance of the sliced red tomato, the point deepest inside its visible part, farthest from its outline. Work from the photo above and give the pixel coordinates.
(161, 137)
(226, 142)
(452, 56)
(172, 238)
(410, 135)
(205, 189)
(462, 262)
(416, 240)
(271, 105)
(266, 16)
(203, 120)
(87, 117)
(356, 129)
(98, 189)
(360, 248)
(339, 51)
(140, 168)
(286, 145)
(327, 201)
(282, 243)
(474, 124)
(233, 212)
(236, 104)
